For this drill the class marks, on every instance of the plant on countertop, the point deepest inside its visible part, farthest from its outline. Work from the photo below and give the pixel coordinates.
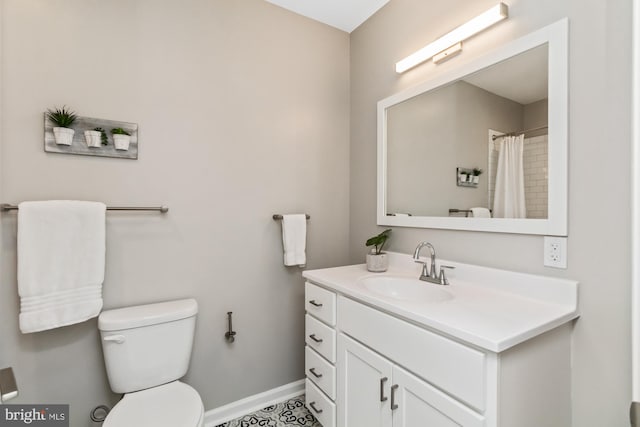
(378, 241)
(103, 136)
(119, 131)
(62, 117)
(477, 171)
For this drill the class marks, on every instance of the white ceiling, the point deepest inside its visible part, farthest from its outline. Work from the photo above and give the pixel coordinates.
(522, 78)
(346, 15)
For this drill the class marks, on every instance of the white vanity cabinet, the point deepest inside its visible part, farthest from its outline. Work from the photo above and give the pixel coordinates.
(496, 353)
(394, 373)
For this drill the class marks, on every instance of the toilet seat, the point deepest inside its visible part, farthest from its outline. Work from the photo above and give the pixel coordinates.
(170, 405)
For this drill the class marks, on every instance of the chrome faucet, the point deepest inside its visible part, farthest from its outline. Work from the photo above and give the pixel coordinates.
(429, 273)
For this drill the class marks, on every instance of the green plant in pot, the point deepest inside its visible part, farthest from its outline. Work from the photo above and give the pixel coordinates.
(62, 120)
(377, 260)
(94, 138)
(121, 138)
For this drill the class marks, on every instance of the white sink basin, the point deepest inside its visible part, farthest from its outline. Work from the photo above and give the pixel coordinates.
(405, 288)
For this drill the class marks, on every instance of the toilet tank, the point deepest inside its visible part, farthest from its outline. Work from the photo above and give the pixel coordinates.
(147, 345)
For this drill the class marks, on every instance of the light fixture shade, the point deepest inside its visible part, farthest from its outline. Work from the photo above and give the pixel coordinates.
(463, 32)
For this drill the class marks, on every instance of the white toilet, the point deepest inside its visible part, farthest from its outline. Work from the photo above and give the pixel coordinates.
(146, 350)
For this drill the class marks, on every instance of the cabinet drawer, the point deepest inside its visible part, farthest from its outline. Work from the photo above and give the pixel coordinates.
(320, 303)
(319, 405)
(321, 372)
(321, 338)
(450, 366)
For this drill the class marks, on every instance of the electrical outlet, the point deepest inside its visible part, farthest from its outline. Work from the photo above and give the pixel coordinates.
(555, 252)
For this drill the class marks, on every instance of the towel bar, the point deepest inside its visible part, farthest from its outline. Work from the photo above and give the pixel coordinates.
(278, 217)
(5, 207)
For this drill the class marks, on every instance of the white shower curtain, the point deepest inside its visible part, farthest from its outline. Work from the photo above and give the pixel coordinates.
(509, 199)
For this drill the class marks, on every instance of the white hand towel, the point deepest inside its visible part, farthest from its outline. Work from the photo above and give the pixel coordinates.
(61, 261)
(294, 239)
(481, 213)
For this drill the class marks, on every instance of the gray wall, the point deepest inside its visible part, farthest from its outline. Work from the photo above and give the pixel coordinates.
(243, 111)
(599, 219)
(536, 115)
(431, 135)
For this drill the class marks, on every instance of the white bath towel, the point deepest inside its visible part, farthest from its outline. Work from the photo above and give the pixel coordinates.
(61, 261)
(481, 213)
(294, 239)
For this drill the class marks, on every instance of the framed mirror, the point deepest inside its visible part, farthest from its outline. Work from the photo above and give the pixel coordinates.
(483, 148)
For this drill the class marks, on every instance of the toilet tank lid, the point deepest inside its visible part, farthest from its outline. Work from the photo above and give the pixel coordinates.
(145, 315)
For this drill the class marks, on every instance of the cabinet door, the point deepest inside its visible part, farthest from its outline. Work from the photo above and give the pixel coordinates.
(364, 380)
(420, 405)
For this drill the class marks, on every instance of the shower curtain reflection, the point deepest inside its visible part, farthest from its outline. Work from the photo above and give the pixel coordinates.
(509, 197)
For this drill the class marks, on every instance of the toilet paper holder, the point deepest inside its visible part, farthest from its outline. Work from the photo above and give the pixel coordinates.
(230, 335)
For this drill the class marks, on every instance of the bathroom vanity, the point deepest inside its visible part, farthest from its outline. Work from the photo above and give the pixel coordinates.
(491, 349)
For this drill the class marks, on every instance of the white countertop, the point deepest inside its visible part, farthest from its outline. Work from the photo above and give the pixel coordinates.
(492, 309)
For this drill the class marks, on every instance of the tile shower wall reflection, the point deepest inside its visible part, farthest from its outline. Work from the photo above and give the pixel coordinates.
(536, 182)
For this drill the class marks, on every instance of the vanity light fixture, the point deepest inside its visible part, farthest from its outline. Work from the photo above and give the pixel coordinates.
(451, 43)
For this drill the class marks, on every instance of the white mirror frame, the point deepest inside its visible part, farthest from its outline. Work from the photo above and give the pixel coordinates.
(635, 218)
(556, 35)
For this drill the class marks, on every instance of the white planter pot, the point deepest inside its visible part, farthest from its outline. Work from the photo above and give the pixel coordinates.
(377, 263)
(121, 142)
(476, 179)
(93, 138)
(63, 136)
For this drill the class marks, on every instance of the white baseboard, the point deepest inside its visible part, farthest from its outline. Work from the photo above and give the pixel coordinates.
(253, 403)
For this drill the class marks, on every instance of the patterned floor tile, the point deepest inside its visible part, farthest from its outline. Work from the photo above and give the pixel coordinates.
(291, 413)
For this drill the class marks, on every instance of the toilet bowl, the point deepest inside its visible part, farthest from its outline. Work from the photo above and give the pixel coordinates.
(147, 349)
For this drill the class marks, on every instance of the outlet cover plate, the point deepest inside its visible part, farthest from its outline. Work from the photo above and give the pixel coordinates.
(555, 252)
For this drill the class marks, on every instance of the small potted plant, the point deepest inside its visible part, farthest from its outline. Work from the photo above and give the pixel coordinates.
(476, 175)
(103, 136)
(377, 260)
(121, 138)
(93, 138)
(62, 119)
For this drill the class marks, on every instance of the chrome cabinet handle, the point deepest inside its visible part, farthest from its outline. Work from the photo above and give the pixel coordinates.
(316, 339)
(383, 398)
(313, 406)
(314, 303)
(315, 374)
(394, 406)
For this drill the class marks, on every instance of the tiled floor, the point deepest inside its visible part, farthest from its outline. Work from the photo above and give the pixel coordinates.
(291, 413)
